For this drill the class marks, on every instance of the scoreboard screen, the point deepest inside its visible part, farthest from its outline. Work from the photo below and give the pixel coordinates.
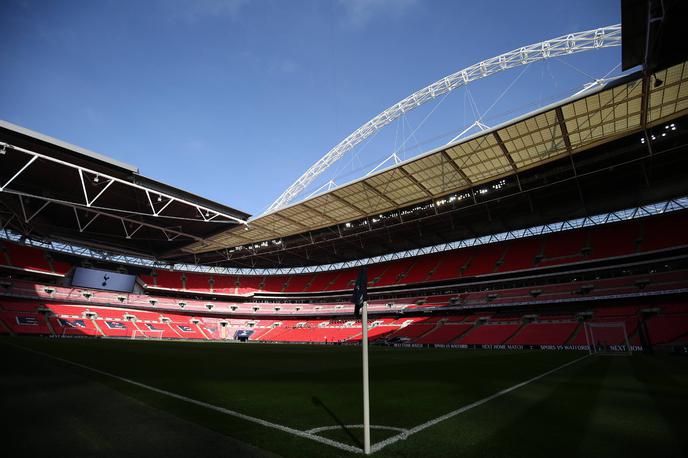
(103, 279)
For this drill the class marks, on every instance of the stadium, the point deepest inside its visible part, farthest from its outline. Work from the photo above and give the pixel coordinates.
(523, 287)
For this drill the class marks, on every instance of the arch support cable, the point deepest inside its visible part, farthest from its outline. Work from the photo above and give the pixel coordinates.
(604, 37)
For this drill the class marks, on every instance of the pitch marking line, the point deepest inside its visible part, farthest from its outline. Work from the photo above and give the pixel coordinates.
(416, 429)
(404, 434)
(329, 428)
(268, 424)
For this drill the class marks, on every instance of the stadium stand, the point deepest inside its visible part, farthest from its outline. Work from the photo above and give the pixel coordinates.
(570, 247)
(491, 309)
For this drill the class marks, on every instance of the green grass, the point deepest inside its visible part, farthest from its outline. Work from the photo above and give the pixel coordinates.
(600, 406)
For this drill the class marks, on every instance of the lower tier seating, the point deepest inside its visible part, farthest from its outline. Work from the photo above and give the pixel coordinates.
(659, 320)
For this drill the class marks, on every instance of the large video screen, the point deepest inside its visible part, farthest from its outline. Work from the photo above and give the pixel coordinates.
(103, 279)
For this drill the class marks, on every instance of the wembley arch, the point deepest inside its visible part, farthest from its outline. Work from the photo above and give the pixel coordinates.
(604, 37)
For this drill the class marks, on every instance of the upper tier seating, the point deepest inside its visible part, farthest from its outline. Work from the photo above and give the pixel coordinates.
(167, 279)
(297, 283)
(197, 282)
(274, 282)
(247, 284)
(225, 284)
(520, 254)
(617, 239)
(484, 259)
(30, 258)
(591, 243)
(564, 247)
(665, 231)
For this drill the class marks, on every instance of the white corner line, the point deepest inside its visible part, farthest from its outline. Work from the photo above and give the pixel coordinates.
(268, 424)
(332, 427)
(416, 429)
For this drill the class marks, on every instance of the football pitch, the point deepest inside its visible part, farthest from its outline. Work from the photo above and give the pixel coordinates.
(88, 397)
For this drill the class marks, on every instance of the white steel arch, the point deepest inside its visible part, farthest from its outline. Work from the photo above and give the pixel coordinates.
(604, 37)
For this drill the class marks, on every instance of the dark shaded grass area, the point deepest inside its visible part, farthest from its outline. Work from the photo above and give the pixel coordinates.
(613, 406)
(51, 410)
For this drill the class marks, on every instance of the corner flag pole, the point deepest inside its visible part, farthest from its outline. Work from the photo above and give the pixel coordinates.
(366, 397)
(360, 301)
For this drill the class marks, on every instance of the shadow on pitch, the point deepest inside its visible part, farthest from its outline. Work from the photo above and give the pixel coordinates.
(318, 402)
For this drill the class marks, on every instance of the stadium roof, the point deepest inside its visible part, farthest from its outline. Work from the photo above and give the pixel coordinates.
(567, 128)
(56, 191)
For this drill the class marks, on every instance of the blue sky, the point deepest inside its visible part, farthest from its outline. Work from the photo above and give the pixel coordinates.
(233, 100)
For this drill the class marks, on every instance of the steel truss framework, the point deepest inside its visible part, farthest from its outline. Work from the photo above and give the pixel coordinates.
(668, 206)
(559, 131)
(90, 211)
(603, 37)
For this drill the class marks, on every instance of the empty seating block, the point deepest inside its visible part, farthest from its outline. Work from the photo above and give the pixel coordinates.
(25, 322)
(413, 331)
(444, 334)
(544, 334)
(520, 254)
(322, 280)
(225, 284)
(27, 257)
(197, 282)
(618, 239)
(248, 284)
(420, 270)
(665, 329)
(74, 327)
(170, 280)
(665, 231)
(489, 334)
(393, 271)
(275, 283)
(484, 259)
(297, 283)
(451, 265)
(346, 279)
(564, 244)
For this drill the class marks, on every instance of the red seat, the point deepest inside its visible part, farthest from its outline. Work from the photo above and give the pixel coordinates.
(544, 334)
(488, 334)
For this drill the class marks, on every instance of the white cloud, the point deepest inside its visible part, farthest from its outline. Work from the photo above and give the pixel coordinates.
(359, 12)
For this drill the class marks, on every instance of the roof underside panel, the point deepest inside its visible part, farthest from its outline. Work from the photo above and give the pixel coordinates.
(573, 126)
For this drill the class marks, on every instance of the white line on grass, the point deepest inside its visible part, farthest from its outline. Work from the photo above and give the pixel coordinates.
(329, 428)
(416, 429)
(268, 424)
(404, 434)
